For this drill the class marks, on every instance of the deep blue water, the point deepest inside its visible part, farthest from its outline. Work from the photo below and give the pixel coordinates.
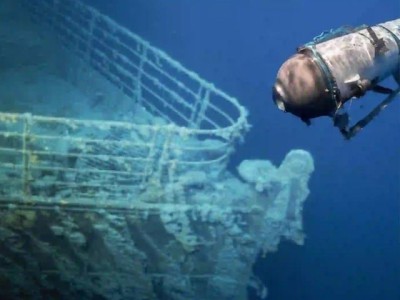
(352, 217)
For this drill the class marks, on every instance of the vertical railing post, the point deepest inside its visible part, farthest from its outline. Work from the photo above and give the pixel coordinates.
(143, 59)
(26, 155)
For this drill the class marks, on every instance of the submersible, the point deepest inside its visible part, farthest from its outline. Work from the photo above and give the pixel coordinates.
(336, 66)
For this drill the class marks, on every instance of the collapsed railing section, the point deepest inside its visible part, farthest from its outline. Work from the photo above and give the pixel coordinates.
(55, 159)
(101, 163)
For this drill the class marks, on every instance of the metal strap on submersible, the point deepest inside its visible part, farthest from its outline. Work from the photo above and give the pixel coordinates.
(329, 80)
(381, 106)
(397, 40)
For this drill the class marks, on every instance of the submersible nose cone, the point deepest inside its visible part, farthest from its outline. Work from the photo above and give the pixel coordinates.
(300, 88)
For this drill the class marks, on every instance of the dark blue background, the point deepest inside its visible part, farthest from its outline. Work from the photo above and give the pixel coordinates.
(352, 217)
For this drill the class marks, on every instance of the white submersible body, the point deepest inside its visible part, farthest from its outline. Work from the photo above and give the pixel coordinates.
(336, 66)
